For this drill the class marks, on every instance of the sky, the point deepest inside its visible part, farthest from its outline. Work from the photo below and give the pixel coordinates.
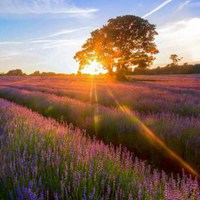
(45, 34)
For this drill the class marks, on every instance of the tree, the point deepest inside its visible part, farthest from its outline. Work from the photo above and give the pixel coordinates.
(36, 73)
(15, 72)
(48, 74)
(123, 42)
(175, 59)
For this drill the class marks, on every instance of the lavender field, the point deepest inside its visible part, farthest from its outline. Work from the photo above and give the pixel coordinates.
(83, 136)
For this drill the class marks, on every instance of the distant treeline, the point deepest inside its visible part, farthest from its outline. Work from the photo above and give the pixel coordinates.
(169, 69)
(19, 72)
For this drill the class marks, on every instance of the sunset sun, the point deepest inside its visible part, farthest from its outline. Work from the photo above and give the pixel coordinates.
(94, 68)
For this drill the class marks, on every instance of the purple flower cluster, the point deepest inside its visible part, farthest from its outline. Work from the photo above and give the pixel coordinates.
(170, 115)
(177, 94)
(41, 159)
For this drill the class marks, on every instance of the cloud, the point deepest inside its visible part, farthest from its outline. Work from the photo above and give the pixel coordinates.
(157, 8)
(48, 41)
(9, 55)
(39, 7)
(45, 55)
(39, 44)
(67, 31)
(10, 42)
(53, 40)
(183, 4)
(49, 44)
(53, 51)
(182, 38)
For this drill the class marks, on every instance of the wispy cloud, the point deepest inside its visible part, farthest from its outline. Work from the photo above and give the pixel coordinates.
(56, 43)
(53, 49)
(39, 44)
(10, 42)
(38, 7)
(157, 8)
(9, 55)
(67, 31)
(43, 53)
(55, 39)
(183, 4)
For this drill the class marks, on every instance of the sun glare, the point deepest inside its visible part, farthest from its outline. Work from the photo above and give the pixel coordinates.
(94, 68)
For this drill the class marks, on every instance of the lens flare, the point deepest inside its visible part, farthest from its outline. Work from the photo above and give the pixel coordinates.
(155, 140)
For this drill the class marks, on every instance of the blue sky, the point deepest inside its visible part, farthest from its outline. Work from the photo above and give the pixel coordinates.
(45, 34)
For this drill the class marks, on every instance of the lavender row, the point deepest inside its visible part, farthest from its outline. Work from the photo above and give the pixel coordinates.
(180, 134)
(41, 159)
(177, 95)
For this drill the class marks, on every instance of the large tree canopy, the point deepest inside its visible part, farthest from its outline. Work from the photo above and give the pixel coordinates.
(121, 43)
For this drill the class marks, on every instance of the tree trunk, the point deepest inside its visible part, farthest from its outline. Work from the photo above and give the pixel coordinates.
(120, 74)
(110, 70)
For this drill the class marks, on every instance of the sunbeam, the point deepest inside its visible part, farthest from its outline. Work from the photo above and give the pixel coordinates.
(96, 114)
(91, 89)
(155, 140)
